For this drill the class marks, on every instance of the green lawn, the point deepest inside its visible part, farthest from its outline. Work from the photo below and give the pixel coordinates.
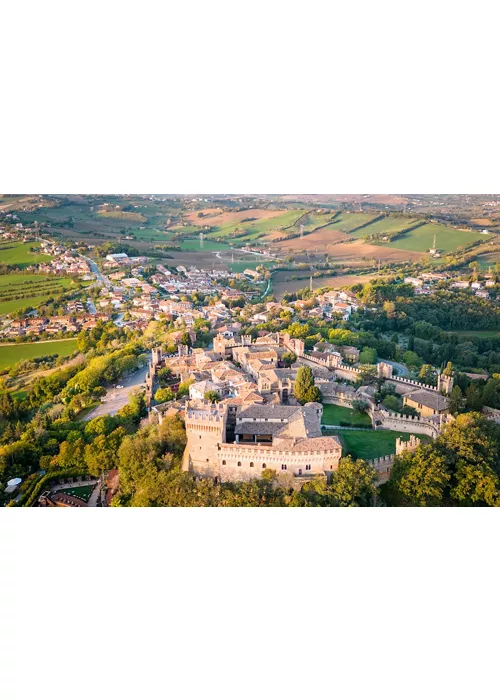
(364, 444)
(12, 253)
(448, 239)
(15, 352)
(83, 492)
(333, 415)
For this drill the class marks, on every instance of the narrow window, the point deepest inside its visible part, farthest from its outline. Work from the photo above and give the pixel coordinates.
(239, 464)
(224, 462)
(283, 467)
(251, 464)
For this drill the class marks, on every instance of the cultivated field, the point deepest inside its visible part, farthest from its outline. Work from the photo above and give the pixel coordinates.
(387, 225)
(283, 284)
(20, 291)
(265, 220)
(12, 353)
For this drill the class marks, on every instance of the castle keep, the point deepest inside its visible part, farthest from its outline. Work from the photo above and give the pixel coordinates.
(286, 439)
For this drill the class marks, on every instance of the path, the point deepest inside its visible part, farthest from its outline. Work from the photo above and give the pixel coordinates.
(401, 369)
(118, 398)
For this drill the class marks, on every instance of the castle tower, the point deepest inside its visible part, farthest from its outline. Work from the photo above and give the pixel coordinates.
(384, 370)
(206, 431)
(445, 384)
(246, 340)
(156, 357)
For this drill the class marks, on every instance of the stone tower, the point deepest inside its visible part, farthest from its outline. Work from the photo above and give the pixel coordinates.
(206, 431)
(445, 384)
(156, 357)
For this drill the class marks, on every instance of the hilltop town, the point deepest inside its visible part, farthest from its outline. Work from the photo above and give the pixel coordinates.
(290, 378)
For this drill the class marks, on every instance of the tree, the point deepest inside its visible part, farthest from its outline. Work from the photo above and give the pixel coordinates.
(412, 360)
(184, 388)
(186, 339)
(164, 395)
(212, 396)
(354, 483)
(473, 399)
(427, 374)
(305, 391)
(419, 478)
(368, 356)
(456, 400)
(360, 406)
(288, 359)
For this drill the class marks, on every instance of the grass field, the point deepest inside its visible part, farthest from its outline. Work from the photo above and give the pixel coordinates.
(19, 254)
(311, 222)
(347, 221)
(15, 352)
(35, 289)
(370, 444)
(387, 225)
(476, 334)
(194, 244)
(448, 239)
(82, 492)
(333, 415)
(251, 229)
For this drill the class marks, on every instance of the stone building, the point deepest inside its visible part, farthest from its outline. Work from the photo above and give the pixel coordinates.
(286, 439)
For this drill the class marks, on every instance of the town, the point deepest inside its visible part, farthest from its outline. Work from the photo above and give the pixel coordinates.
(345, 378)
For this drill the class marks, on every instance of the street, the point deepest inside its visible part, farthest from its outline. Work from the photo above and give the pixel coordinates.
(118, 398)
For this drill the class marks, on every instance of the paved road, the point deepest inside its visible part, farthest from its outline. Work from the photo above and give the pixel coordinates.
(402, 370)
(118, 398)
(95, 269)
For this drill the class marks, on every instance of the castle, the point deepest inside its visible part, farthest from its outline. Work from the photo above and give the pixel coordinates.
(258, 424)
(286, 439)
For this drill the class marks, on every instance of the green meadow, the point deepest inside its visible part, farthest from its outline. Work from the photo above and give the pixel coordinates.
(448, 239)
(12, 353)
(19, 254)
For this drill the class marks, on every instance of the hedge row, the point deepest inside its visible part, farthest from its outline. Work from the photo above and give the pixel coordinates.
(32, 495)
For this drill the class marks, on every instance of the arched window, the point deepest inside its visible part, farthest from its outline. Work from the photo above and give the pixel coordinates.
(251, 464)
(239, 464)
(224, 462)
(284, 467)
(264, 466)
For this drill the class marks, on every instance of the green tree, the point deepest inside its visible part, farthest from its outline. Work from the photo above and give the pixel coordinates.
(185, 339)
(305, 391)
(212, 396)
(368, 356)
(289, 358)
(164, 395)
(354, 483)
(456, 400)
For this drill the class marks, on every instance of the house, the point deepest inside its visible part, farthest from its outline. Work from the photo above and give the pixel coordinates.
(427, 403)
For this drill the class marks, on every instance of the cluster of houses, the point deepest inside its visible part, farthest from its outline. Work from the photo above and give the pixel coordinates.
(72, 322)
(63, 262)
(425, 283)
